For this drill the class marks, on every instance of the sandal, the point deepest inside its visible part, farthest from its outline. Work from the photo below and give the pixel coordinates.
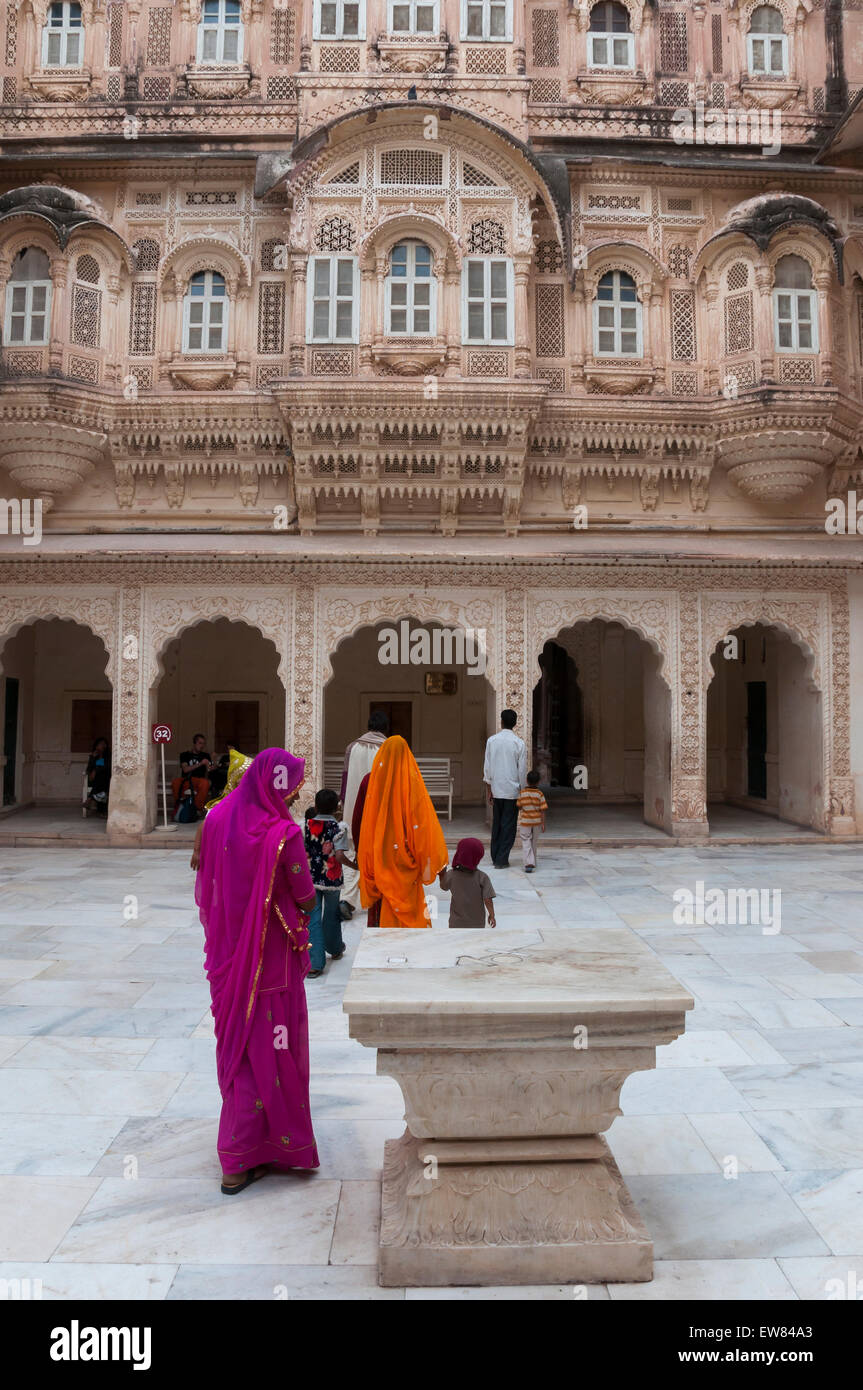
(252, 1176)
(340, 954)
(313, 974)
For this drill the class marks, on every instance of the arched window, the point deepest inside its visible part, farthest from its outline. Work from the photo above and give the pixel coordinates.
(767, 43)
(413, 16)
(617, 317)
(220, 32)
(610, 42)
(63, 36)
(410, 287)
(795, 316)
(205, 313)
(28, 298)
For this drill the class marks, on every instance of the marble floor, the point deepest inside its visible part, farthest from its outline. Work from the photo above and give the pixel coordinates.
(743, 1150)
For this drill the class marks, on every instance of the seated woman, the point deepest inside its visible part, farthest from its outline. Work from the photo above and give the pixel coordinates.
(98, 777)
(401, 844)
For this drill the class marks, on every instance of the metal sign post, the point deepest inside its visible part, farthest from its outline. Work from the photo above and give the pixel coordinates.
(162, 734)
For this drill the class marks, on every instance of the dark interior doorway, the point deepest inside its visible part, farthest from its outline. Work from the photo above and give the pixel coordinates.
(756, 738)
(10, 741)
(400, 715)
(558, 719)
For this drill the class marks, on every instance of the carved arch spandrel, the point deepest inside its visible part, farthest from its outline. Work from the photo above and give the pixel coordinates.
(804, 620)
(167, 617)
(651, 616)
(341, 617)
(85, 607)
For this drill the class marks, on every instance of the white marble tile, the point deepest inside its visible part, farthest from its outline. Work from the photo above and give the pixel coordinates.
(95, 1282)
(358, 1223)
(86, 993)
(793, 1013)
(679, 1090)
(734, 1144)
(9, 1047)
(82, 1054)
(694, 1217)
(85, 1092)
(59, 1146)
(282, 1283)
(658, 1144)
(172, 1147)
(703, 1049)
(35, 1213)
(833, 1203)
(365, 1097)
(726, 1280)
(835, 1278)
(186, 1220)
(814, 1138)
(813, 1084)
(171, 996)
(821, 986)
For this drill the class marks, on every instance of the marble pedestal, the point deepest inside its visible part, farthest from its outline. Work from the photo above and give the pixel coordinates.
(511, 1048)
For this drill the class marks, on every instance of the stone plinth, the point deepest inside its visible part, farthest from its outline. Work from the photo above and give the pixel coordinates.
(511, 1048)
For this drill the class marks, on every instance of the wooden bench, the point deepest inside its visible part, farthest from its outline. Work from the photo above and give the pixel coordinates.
(435, 772)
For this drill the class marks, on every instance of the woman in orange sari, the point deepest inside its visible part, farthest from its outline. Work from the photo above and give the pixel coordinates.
(402, 845)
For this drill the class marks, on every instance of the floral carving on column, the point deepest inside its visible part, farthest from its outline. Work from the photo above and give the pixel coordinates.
(689, 766)
(840, 803)
(303, 735)
(129, 751)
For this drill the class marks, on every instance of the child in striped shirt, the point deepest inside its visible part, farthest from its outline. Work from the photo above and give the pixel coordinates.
(532, 807)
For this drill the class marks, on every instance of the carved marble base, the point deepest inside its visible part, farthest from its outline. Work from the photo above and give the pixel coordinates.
(510, 1048)
(540, 1220)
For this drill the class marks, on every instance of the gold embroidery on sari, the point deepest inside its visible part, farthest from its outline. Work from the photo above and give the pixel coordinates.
(282, 844)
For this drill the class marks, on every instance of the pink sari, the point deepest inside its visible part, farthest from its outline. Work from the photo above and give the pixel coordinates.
(253, 871)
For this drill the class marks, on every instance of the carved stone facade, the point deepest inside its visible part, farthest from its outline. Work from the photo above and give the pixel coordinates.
(591, 350)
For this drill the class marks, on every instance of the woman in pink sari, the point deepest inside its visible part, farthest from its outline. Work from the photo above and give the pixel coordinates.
(254, 892)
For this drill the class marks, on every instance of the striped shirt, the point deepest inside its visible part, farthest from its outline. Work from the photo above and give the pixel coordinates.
(532, 806)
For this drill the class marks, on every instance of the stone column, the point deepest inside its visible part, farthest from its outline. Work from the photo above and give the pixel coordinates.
(297, 343)
(764, 320)
(511, 1051)
(826, 346)
(522, 336)
(689, 725)
(127, 804)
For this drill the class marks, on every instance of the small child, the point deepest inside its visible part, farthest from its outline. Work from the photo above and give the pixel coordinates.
(471, 889)
(326, 840)
(532, 807)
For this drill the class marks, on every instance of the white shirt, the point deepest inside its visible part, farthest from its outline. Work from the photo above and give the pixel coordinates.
(505, 767)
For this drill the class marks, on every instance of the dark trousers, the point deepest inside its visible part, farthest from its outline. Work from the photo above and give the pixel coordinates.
(325, 928)
(504, 821)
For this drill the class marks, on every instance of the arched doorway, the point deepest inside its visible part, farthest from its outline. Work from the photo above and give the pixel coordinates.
(441, 701)
(764, 728)
(219, 678)
(602, 725)
(57, 700)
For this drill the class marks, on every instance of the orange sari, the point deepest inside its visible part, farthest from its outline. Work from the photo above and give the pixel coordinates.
(402, 845)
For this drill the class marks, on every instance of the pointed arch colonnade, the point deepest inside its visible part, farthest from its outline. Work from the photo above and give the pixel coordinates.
(305, 610)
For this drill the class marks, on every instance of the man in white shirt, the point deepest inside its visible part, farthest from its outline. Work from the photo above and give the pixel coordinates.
(359, 757)
(504, 773)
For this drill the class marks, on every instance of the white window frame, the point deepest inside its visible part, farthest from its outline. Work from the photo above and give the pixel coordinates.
(487, 339)
(410, 306)
(769, 40)
(413, 5)
(811, 296)
(611, 39)
(28, 286)
(340, 35)
(222, 28)
(617, 304)
(485, 36)
(330, 337)
(66, 30)
(206, 299)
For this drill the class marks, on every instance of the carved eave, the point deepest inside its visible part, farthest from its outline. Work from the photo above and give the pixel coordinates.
(366, 444)
(762, 218)
(61, 211)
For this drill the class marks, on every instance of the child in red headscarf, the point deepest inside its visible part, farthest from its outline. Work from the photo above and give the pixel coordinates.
(472, 893)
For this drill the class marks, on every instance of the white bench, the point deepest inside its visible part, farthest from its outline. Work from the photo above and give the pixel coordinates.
(435, 772)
